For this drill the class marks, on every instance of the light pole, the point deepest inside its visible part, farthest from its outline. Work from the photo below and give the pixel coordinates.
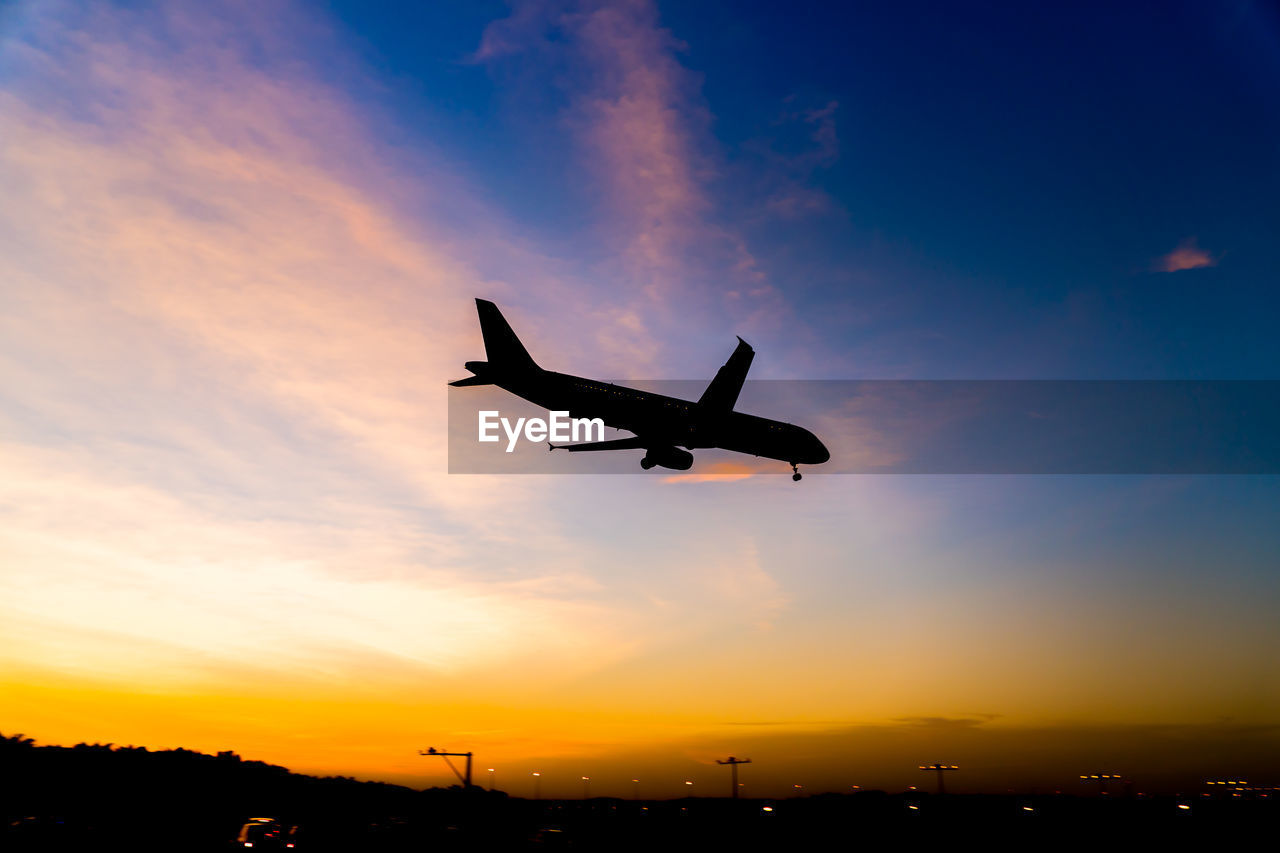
(733, 768)
(490, 778)
(586, 787)
(635, 789)
(940, 769)
(537, 785)
(466, 780)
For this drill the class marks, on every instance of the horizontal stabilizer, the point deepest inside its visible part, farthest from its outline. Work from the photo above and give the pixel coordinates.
(470, 380)
(722, 393)
(633, 443)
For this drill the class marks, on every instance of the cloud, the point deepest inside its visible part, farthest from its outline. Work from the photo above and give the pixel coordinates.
(722, 472)
(641, 130)
(224, 355)
(1187, 256)
(802, 141)
(947, 722)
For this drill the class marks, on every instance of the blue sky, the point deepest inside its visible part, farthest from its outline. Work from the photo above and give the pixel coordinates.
(1002, 174)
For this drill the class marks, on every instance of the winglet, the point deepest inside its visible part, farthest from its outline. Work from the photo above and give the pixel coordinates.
(723, 391)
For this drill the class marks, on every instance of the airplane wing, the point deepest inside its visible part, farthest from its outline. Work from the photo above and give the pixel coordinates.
(633, 443)
(723, 391)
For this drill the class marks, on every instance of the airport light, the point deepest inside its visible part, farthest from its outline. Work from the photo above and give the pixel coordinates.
(1102, 779)
(940, 769)
(444, 753)
(733, 769)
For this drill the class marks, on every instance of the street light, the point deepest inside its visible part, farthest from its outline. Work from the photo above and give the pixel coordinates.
(490, 778)
(537, 785)
(586, 787)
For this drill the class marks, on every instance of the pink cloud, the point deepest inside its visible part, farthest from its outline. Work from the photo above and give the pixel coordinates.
(222, 329)
(230, 346)
(1187, 256)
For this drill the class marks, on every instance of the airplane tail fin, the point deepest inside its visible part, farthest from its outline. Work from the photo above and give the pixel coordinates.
(501, 345)
(506, 354)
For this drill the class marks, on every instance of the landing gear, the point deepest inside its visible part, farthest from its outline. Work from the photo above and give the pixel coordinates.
(796, 475)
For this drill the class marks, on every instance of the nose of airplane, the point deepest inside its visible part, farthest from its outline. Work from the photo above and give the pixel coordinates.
(815, 450)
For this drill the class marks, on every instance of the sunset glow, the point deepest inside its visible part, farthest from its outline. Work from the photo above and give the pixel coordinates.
(239, 248)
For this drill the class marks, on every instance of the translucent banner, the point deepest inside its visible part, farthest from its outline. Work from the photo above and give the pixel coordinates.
(877, 427)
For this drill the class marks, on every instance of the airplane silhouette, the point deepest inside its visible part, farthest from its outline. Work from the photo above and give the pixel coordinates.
(662, 425)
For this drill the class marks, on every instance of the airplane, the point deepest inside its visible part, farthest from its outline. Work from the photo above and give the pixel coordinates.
(666, 428)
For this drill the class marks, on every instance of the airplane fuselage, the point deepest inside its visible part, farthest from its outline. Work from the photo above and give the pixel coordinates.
(665, 420)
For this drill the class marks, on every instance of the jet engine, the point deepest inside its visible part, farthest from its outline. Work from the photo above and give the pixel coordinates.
(667, 457)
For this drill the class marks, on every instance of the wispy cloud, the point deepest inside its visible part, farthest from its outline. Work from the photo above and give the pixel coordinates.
(1188, 256)
(802, 140)
(224, 362)
(224, 353)
(641, 130)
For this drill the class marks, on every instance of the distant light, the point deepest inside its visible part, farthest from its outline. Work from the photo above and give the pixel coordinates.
(537, 774)
(767, 809)
(688, 783)
(1027, 809)
(1184, 807)
(914, 808)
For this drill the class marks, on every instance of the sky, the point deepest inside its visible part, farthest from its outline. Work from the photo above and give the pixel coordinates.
(239, 248)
